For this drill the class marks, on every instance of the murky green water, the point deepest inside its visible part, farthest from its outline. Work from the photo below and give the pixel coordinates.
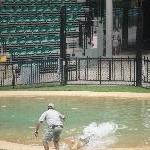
(18, 117)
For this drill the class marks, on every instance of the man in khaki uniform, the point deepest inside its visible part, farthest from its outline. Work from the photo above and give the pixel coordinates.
(54, 120)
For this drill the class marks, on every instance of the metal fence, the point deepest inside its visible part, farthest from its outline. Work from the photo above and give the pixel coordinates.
(30, 72)
(104, 71)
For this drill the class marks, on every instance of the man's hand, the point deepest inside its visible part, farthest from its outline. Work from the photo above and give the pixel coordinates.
(36, 133)
(37, 128)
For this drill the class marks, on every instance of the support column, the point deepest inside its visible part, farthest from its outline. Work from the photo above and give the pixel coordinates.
(64, 73)
(109, 27)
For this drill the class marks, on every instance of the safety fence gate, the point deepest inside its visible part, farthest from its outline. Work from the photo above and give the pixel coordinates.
(115, 71)
(30, 72)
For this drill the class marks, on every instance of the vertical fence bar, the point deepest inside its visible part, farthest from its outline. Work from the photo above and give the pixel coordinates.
(31, 80)
(5, 69)
(79, 68)
(147, 69)
(62, 71)
(3, 79)
(134, 71)
(121, 69)
(72, 70)
(123, 73)
(143, 69)
(87, 68)
(69, 71)
(76, 68)
(109, 61)
(100, 70)
(112, 68)
(13, 76)
(130, 69)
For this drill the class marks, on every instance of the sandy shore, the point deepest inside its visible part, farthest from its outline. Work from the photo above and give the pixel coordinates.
(14, 146)
(138, 96)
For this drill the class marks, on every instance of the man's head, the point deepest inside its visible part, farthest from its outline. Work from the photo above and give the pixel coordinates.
(51, 106)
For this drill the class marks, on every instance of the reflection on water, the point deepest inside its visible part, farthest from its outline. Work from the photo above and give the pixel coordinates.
(131, 117)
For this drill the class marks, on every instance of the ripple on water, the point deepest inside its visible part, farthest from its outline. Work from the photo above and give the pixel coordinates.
(39, 98)
(74, 108)
(3, 106)
(122, 126)
(147, 125)
(31, 127)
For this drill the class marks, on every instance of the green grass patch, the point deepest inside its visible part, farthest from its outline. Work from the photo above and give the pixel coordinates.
(95, 88)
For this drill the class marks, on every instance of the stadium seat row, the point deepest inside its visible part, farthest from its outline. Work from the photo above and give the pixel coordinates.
(29, 9)
(38, 9)
(38, 1)
(31, 51)
(32, 40)
(35, 29)
(29, 29)
(35, 19)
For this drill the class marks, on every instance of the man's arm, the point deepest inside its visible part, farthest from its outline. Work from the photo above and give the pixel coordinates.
(37, 128)
(41, 119)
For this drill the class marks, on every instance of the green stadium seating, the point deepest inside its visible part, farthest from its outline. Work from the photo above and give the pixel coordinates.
(21, 40)
(29, 39)
(36, 39)
(28, 29)
(12, 30)
(35, 29)
(32, 27)
(11, 41)
(4, 30)
(20, 29)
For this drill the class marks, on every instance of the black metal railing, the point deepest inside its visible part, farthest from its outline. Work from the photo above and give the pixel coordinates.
(102, 71)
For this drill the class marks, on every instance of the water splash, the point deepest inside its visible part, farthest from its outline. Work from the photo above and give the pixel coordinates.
(96, 136)
(100, 135)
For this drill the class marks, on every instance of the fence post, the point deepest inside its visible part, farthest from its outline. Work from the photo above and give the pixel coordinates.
(139, 46)
(139, 69)
(64, 76)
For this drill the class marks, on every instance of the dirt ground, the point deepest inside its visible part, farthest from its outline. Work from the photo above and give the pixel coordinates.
(14, 146)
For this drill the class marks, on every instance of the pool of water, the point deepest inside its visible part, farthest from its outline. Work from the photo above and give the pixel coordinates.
(18, 117)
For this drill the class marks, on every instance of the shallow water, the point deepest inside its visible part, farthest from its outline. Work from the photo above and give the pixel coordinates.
(18, 117)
